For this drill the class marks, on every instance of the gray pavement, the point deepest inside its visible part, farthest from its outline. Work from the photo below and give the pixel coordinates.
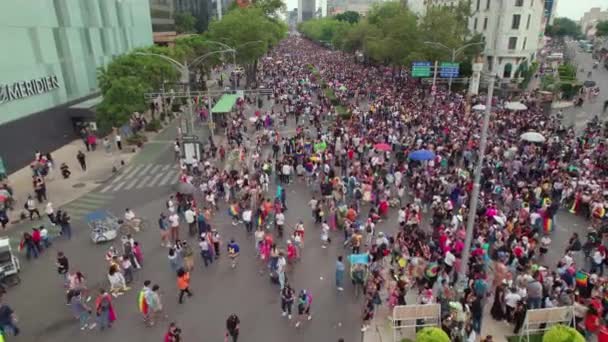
(578, 116)
(218, 290)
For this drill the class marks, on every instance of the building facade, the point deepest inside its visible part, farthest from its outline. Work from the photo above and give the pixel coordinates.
(591, 18)
(512, 30)
(306, 10)
(51, 52)
(550, 11)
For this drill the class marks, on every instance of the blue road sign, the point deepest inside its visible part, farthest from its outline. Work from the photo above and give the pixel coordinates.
(448, 70)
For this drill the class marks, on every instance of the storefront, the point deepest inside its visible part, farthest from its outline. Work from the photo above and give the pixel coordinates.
(51, 52)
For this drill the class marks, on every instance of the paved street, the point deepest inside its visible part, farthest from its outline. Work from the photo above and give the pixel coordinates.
(144, 186)
(580, 115)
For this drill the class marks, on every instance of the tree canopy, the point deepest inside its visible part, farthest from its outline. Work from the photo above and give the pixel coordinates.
(563, 27)
(602, 28)
(185, 22)
(349, 16)
(391, 34)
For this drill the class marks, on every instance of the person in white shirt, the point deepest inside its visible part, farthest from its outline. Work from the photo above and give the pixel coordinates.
(280, 223)
(449, 261)
(401, 216)
(50, 212)
(281, 263)
(247, 219)
(174, 227)
(190, 217)
(325, 234)
(511, 299)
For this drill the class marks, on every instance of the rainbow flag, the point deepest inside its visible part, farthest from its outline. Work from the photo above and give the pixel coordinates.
(234, 210)
(548, 225)
(260, 220)
(581, 279)
(141, 302)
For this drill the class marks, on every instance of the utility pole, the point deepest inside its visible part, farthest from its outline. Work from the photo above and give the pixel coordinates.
(218, 4)
(462, 281)
(434, 87)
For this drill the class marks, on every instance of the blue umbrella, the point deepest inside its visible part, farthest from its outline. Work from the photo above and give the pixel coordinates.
(422, 155)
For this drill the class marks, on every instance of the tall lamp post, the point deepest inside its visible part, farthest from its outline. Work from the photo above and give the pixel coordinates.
(234, 49)
(184, 70)
(455, 53)
(462, 283)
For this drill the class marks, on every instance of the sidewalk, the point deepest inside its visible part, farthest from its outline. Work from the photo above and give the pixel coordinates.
(380, 330)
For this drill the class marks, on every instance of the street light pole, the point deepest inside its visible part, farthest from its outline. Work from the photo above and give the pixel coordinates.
(184, 70)
(476, 187)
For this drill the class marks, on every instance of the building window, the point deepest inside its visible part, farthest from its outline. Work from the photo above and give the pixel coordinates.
(475, 24)
(488, 4)
(516, 21)
(478, 4)
(519, 3)
(528, 22)
(512, 43)
(485, 23)
(523, 47)
(508, 69)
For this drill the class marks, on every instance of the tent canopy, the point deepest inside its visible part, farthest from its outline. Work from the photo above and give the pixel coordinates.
(225, 104)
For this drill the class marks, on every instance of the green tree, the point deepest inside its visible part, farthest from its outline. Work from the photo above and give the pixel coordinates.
(562, 333)
(251, 32)
(120, 100)
(185, 22)
(270, 8)
(563, 27)
(432, 334)
(349, 16)
(602, 28)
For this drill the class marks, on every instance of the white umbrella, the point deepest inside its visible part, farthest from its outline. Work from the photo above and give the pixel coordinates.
(532, 137)
(479, 107)
(515, 106)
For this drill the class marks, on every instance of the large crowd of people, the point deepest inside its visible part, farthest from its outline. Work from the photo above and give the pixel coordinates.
(356, 127)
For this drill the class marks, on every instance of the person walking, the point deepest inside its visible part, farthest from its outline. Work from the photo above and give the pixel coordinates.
(50, 213)
(104, 310)
(30, 206)
(183, 284)
(173, 333)
(287, 299)
(63, 268)
(80, 309)
(340, 274)
(174, 226)
(144, 302)
(232, 327)
(205, 250)
(82, 160)
(118, 140)
(63, 219)
(8, 319)
(304, 304)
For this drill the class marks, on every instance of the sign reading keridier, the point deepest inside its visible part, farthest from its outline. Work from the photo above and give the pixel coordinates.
(22, 89)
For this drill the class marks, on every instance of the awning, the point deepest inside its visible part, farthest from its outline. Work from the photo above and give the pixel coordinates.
(84, 109)
(225, 104)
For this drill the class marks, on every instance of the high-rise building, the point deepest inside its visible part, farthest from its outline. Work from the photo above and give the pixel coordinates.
(48, 66)
(200, 9)
(550, 7)
(591, 18)
(306, 10)
(512, 30)
(162, 13)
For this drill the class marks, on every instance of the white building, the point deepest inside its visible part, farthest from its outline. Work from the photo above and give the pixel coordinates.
(512, 30)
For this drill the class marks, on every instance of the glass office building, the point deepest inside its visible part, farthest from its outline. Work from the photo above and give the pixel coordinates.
(51, 50)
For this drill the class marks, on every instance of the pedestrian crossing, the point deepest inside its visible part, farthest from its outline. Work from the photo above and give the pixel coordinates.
(92, 201)
(142, 176)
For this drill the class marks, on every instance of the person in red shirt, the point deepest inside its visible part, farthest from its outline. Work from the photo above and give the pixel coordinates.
(592, 322)
(36, 238)
(173, 334)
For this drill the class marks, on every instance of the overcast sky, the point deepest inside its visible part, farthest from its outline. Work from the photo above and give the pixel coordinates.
(574, 9)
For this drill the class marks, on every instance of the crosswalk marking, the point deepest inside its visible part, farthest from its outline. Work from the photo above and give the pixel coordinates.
(142, 176)
(168, 176)
(90, 202)
(143, 182)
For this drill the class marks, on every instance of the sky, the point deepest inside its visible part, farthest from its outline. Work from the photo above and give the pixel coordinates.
(574, 9)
